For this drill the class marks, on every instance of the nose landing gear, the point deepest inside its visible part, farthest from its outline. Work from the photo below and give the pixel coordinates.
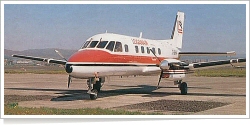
(94, 87)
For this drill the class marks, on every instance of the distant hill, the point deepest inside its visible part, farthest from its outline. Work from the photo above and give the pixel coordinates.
(47, 53)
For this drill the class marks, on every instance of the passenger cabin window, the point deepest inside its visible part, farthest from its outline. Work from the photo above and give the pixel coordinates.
(110, 46)
(126, 47)
(93, 44)
(142, 49)
(153, 50)
(148, 51)
(136, 49)
(85, 44)
(159, 51)
(102, 44)
(118, 47)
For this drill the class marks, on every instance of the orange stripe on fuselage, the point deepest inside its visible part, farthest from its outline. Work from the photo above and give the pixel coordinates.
(106, 57)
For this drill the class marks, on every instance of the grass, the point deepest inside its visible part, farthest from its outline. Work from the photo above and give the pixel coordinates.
(14, 109)
(221, 72)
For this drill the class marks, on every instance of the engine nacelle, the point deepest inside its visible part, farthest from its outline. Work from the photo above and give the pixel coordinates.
(237, 60)
(168, 63)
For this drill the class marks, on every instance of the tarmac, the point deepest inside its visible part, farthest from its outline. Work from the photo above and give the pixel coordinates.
(206, 95)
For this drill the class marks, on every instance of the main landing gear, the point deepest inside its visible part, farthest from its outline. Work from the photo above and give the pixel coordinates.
(94, 86)
(182, 86)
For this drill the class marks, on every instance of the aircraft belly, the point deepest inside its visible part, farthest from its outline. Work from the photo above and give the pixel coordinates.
(102, 71)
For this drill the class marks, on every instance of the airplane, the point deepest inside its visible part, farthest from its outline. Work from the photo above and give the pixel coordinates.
(108, 54)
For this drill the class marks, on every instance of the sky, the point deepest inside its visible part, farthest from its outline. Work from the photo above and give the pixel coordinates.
(207, 27)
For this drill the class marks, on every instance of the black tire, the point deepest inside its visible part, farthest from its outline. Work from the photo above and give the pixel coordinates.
(93, 96)
(97, 85)
(183, 88)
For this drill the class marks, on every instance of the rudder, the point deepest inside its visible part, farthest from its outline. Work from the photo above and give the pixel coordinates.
(177, 32)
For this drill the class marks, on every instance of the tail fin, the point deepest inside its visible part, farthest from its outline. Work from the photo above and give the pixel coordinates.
(177, 32)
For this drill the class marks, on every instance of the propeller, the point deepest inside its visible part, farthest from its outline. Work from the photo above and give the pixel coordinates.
(69, 77)
(159, 79)
(69, 80)
(161, 69)
(60, 55)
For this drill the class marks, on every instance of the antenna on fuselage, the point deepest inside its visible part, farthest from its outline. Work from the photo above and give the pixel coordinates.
(140, 35)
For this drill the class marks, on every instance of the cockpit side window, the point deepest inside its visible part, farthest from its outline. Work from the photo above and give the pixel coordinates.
(93, 44)
(118, 47)
(102, 44)
(85, 44)
(110, 46)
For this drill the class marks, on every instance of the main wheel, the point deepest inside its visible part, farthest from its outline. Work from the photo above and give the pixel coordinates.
(94, 94)
(183, 88)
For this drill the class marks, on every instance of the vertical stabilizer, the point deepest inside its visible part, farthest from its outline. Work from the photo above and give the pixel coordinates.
(177, 32)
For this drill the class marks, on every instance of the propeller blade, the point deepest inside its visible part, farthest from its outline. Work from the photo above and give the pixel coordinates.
(155, 55)
(69, 80)
(160, 79)
(60, 55)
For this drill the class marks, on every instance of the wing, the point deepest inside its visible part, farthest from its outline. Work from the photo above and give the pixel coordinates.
(48, 60)
(215, 63)
(212, 63)
(207, 53)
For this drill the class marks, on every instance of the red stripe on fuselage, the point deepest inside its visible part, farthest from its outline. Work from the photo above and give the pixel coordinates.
(106, 57)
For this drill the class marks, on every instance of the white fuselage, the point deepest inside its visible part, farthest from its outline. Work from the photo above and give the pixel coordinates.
(128, 56)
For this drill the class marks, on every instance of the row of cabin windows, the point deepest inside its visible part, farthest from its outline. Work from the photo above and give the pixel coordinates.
(116, 46)
(148, 50)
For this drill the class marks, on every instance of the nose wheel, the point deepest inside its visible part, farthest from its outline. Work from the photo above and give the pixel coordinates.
(94, 94)
(94, 87)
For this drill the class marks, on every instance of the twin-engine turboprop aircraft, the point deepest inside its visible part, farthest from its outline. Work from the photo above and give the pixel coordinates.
(108, 54)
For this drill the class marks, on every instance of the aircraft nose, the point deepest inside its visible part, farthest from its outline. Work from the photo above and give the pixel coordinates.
(68, 68)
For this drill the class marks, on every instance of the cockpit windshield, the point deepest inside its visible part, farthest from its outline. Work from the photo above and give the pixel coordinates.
(85, 44)
(109, 45)
(93, 44)
(102, 44)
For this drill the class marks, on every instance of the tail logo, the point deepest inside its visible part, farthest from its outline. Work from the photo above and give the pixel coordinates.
(180, 29)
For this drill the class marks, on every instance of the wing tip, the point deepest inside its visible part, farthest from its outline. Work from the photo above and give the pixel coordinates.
(231, 53)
